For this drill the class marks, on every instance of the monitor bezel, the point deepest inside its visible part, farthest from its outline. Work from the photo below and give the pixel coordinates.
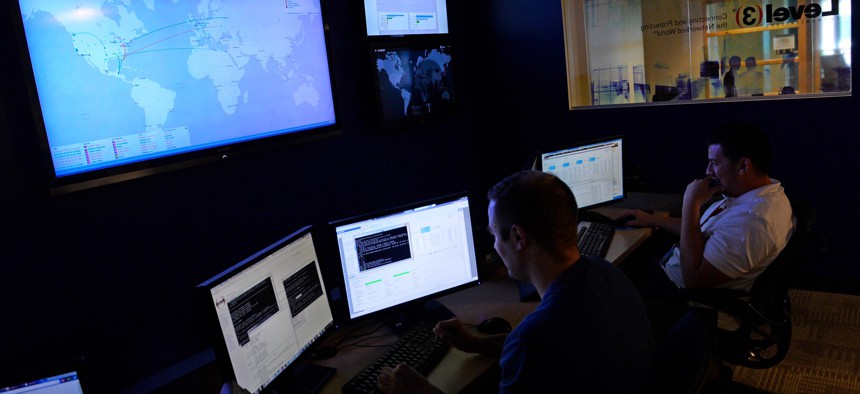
(57, 185)
(213, 327)
(409, 307)
(538, 164)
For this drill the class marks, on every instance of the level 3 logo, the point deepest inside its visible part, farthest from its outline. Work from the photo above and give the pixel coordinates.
(754, 15)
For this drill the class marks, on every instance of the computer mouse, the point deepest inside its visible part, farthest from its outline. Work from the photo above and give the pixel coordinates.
(494, 325)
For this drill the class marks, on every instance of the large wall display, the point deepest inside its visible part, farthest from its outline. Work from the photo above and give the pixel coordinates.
(622, 52)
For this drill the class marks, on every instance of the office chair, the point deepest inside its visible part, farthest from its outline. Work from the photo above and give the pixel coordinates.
(704, 352)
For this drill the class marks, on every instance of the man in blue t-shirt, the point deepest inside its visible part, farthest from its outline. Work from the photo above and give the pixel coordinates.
(590, 330)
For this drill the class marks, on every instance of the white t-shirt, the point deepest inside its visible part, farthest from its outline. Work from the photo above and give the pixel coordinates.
(743, 239)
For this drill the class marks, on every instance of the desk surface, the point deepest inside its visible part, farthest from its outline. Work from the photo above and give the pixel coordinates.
(497, 296)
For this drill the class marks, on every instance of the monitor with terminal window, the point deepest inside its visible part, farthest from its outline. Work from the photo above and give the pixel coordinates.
(266, 312)
(395, 262)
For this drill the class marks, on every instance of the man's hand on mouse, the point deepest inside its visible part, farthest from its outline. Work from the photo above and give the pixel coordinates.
(638, 218)
(454, 332)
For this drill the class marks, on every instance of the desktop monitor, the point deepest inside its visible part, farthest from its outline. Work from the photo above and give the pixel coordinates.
(413, 81)
(266, 311)
(121, 90)
(593, 170)
(405, 17)
(394, 261)
(62, 377)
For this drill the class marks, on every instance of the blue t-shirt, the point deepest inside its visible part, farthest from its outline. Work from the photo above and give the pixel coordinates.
(590, 333)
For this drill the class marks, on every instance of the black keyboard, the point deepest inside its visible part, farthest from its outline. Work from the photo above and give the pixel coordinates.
(417, 347)
(594, 239)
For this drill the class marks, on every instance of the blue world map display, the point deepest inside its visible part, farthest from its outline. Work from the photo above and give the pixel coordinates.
(124, 81)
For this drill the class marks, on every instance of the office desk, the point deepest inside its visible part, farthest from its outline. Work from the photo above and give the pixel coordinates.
(626, 239)
(459, 371)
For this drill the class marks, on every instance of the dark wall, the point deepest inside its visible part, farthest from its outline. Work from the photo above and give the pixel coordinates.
(110, 272)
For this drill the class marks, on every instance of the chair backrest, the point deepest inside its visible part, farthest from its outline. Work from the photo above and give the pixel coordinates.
(764, 336)
(771, 287)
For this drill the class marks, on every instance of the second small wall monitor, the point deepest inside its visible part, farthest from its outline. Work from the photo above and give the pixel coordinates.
(414, 82)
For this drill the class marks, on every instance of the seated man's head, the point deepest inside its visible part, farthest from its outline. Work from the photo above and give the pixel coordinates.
(739, 157)
(535, 203)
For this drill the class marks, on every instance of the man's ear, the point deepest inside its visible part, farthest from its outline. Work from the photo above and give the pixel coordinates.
(744, 166)
(518, 235)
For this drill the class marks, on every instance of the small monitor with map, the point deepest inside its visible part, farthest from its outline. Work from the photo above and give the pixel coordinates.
(127, 89)
(414, 82)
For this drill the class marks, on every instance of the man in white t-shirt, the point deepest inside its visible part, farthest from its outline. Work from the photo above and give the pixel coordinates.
(735, 238)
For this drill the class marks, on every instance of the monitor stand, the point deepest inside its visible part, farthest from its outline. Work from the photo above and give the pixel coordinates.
(405, 318)
(305, 378)
(594, 217)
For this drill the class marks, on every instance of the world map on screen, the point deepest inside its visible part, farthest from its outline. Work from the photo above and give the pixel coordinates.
(121, 79)
(414, 82)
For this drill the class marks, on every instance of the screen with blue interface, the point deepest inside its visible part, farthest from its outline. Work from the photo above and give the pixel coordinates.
(270, 308)
(593, 170)
(403, 255)
(405, 17)
(121, 82)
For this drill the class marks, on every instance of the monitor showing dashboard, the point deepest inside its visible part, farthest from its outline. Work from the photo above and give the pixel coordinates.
(403, 256)
(594, 170)
(414, 81)
(267, 310)
(405, 17)
(127, 89)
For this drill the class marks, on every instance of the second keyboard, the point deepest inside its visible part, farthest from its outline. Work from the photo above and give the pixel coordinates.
(594, 239)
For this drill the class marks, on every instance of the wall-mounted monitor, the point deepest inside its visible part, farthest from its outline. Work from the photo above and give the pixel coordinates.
(414, 81)
(395, 260)
(405, 17)
(265, 312)
(125, 89)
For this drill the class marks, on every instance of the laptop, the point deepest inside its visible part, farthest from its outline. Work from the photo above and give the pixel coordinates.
(64, 377)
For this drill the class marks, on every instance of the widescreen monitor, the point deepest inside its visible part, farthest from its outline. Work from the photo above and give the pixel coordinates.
(414, 81)
(594, 170)
(394, 260)
(66, 376)
(266, 311)
(126, 89)
(405, 17)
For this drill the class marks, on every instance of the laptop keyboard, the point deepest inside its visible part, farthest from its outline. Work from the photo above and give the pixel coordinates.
(595, 238)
